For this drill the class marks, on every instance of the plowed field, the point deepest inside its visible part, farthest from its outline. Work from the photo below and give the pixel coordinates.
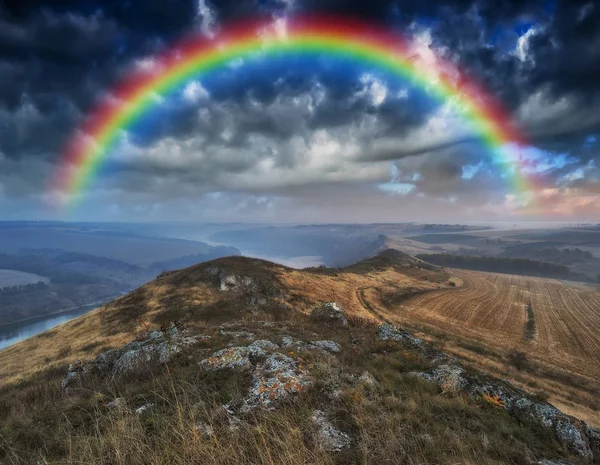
(490, 313)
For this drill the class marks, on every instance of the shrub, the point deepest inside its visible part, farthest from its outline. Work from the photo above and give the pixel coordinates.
(517, 359)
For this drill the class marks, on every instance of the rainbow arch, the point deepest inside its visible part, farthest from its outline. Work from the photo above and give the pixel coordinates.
(372, 46)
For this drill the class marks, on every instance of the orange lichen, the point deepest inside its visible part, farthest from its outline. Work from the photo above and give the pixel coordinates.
(494, 400)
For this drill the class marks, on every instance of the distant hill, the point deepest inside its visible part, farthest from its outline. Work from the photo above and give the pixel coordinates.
(74, 279)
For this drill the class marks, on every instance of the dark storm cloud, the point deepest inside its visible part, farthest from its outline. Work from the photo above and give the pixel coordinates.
(540, 59)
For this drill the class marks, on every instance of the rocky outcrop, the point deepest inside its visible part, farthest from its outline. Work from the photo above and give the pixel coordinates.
(233, 358)
(574, 434)
(329, 437)
(258, 291)
(328, 346)
(275, 379)
(387, 332)
(297, 345)
(275, 376)
(329, 312)
(155, 348)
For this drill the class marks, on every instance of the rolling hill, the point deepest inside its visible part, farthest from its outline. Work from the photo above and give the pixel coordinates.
(239, 360)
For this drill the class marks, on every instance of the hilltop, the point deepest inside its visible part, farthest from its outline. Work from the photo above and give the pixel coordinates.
(240, 360)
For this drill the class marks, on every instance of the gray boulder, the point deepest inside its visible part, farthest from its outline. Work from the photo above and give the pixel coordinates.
(328, 346)
(155, 348)
(330, 438)
(232, 358)
(329, 312)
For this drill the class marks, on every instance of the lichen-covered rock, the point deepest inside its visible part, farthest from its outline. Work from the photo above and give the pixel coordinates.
(387, 332)
(329, 346)
(569, 431)
(232, 358)
(326, 347)
(445, 375)
(274, 380)
(237, 334)
(329, 312)
(289, 341)
(542, 413)
(155, 348)
(593, 435)
(264, 344)
(330, 438)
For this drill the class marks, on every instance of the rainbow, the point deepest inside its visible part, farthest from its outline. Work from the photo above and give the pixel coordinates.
(370, 46)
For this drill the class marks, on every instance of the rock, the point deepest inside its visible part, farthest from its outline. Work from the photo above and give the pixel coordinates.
(134, 360)
(117, 403)
(330, 438)
(156, 347)
(237, 334)
(205, 429)
(542, 413)
(593, 436)
(323, 346)
(274, 380)
(329, 312)
(288, 341)
(572, 433)
(387, 332)
(232, 358)
(234, 282)
(445, 375)
(264, 344)
(367, 380)
(74, 376)
(144, 409)
(329, 346)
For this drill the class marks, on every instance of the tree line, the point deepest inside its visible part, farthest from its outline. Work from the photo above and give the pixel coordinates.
(502, 265)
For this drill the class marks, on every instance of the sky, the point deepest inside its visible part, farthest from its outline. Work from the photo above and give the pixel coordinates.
(302, 141)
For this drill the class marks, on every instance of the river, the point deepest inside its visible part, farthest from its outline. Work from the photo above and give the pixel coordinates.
(14, 332)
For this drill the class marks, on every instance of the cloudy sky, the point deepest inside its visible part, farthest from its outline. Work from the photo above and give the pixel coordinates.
(307, 140)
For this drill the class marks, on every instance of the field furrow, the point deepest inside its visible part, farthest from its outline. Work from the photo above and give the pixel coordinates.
(490, 310)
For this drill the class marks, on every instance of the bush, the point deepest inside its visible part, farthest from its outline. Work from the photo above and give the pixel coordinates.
(517, 359)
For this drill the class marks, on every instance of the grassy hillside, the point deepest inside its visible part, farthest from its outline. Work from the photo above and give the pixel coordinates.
(254, 374)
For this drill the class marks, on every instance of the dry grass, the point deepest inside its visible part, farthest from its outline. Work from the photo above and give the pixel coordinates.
(400, 420)
(188, 295)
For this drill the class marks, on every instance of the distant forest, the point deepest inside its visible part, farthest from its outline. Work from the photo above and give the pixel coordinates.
(503, 265)
(44, 266)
